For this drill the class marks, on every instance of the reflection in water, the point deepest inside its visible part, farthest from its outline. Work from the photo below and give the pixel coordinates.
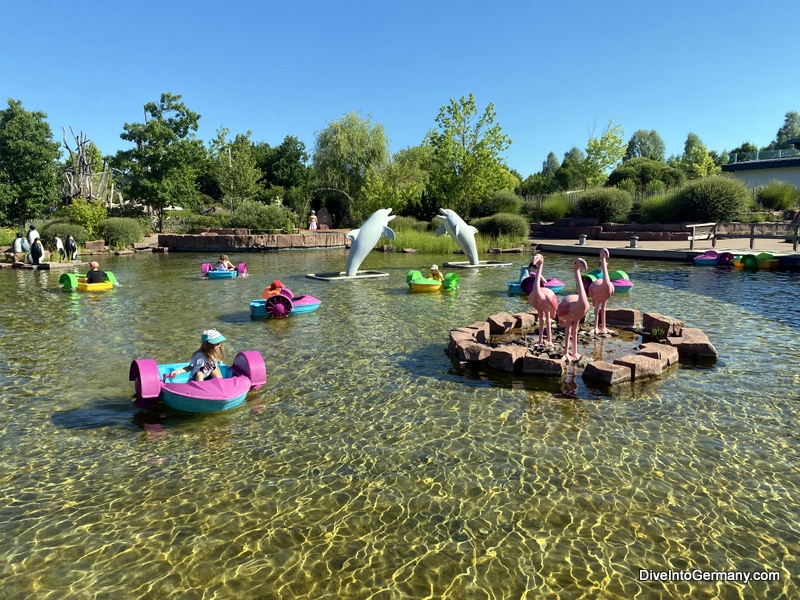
(370, 466)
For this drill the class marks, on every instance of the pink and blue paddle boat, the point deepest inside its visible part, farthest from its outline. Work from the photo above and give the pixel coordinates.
(211, 395)
(526, 285)
(620, 279)
(211, 273)
(712, 258)
(283, 304)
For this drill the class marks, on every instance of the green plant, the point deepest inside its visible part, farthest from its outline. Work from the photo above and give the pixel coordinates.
(7, 236)
(606, 204)
(659, 333)
(659, 209)
(258, 217)
(408, 224)
(85, 213)
(515, 226)
(120, 232)
(63, 229)
(778, 195)
(712, 199)
(555, 207)
(627, 185)
(500, 201)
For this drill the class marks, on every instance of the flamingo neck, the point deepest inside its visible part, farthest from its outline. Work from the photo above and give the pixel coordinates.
(579, 285)
(538, 279)
(604, 268)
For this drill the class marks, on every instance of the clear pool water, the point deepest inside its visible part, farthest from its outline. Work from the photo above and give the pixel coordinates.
(370, 466)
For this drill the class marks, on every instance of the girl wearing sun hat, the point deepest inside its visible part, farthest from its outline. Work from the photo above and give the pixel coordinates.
(204, 363)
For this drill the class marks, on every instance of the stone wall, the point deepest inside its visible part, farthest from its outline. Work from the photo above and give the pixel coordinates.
(241, 240)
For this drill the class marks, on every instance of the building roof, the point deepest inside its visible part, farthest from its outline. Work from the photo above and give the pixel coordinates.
(753, 165)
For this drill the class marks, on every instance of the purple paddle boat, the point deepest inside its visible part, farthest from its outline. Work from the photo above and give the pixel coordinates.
(247, 373)
(211, 273)
(712, 258)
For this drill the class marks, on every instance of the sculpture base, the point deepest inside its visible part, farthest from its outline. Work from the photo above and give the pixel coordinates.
(339, 275)
(481, 263)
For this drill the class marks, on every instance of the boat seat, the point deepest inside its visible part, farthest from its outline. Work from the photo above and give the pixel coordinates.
(702, 231)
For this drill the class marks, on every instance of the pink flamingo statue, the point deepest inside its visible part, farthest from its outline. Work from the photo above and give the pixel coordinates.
(571, 310)
(600, 291)
(543, 300)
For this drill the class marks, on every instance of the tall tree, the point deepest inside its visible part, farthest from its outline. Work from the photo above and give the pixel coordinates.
(645, 144)
(696, 161)
(789, 130)
(401, 185)
(571, 173)
(465, 163)
(28, 164)
(346, 151)
(163, 165)
(235, 170)
(603, 153)
(551, 165)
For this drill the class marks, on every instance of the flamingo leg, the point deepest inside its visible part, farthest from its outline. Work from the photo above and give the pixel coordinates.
(549, 329)
(541, 328)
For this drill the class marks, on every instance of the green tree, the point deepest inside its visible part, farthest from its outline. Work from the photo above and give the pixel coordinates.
(235, 170)
(603, 153)
(645, 144)
(571, 173)
(286, 172)
(401, 184)
(465, 161)
(644, 171)
(696, 161)
(163, 166)
(29, 164)
(346, 151)
(551, 165)
(789, 130)
(744, 151)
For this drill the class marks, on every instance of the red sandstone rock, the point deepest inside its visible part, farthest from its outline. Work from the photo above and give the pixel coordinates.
(506, 358)
(473, 352)
(669, 325)
(608, 373)
(524, 320)
(641, 366)
(457, 336)
(627, 317)
(501, 322)
(481, 329)
(668, 355)
(546, 367)
(693, 343)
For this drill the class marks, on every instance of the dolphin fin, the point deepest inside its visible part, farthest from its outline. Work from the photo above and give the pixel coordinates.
(455, 229)
(388, 233)
(353, 234)
(441, 231)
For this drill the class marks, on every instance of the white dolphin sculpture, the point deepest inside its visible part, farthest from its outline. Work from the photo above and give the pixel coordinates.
(462, 234)
(365, 238)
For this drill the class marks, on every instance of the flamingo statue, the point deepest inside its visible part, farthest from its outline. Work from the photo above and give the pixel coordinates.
(543, 300)
(572, 309)
(600, 291)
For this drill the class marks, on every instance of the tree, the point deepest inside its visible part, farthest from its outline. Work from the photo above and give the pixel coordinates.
(163, 165)
(645, 144)
(571, 175)
(28, 164)
(465, 161)
(644, 171)
(346, 151)
(603, 153)
(696, 161)
(551, 165)
(401, 184)
(745, 151)
(235, 170)
(285, 172)
(789, 130)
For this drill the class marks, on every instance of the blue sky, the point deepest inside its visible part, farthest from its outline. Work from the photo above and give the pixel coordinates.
(556, 72)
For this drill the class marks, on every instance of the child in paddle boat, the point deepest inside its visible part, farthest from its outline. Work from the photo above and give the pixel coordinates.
(274, 288)
(224, 264)
(436, 274)
(95, 275)
(204, 364)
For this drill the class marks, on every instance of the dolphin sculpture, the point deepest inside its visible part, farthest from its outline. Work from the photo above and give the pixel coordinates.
(462, 234)
(365, 238)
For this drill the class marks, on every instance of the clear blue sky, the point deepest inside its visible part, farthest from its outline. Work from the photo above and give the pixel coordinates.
(555, 71)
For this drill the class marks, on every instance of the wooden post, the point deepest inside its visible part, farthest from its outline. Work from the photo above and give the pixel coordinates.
(752, 235)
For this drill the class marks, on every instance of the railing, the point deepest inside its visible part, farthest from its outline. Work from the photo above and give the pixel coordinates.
(737, 157)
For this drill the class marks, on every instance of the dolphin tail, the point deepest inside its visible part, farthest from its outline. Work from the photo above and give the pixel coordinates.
(388, 233)
(353, 234)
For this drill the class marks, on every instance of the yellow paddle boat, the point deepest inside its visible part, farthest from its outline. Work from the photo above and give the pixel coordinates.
(418, 283)
(71, 281)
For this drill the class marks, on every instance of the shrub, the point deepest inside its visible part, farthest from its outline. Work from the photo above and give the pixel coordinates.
(408, 224)
(259, 217)
(7, 236)
(502, 224)
(628, 185)
(85, 213)
(129, 211)
(606, 204)
(659, 209)
(655, 186)
(120, 232)
(555, 207)
(63, 228)
(197, 223)
(501, 201)
(712, 199)
(778, 195)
